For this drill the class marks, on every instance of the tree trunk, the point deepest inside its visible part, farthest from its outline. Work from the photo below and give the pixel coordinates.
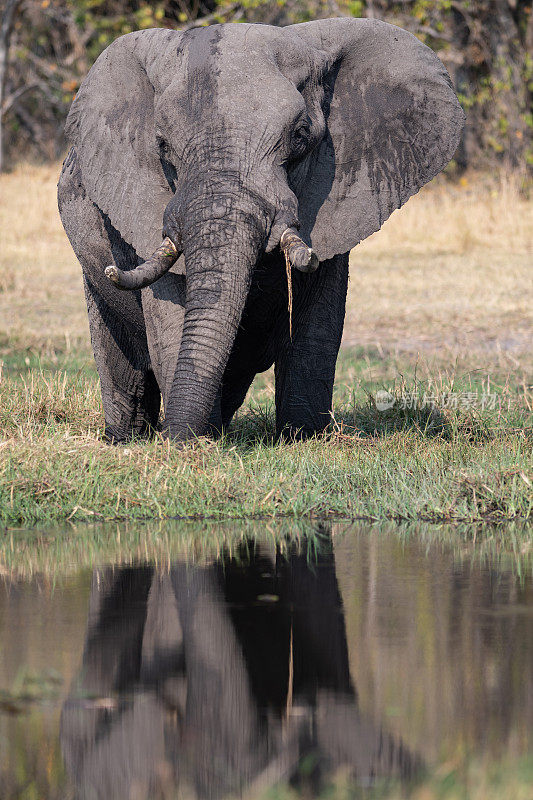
(507, 113)
(6, 27)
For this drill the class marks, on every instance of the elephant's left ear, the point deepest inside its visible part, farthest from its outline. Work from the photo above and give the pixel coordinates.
(393, 123)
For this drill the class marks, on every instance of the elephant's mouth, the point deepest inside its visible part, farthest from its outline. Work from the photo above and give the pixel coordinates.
(299, 255)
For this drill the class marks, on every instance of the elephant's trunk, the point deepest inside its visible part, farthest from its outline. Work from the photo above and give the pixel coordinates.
(220, 253)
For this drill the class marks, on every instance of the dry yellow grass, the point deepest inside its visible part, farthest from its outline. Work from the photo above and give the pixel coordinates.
(41, 291)
(449, 274)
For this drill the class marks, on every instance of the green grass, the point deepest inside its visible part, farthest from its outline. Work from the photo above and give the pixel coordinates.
(18, 357)
(434, 464)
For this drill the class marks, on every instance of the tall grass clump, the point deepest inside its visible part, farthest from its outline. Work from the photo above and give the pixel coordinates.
(401, 464)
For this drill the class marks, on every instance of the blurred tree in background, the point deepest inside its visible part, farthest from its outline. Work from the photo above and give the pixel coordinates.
(47, 46)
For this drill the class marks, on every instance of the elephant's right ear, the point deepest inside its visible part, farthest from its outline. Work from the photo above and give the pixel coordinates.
(111, 124)
(393, 122)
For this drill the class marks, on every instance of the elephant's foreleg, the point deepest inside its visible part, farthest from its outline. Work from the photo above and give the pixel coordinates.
(130, 394)
(305, 366)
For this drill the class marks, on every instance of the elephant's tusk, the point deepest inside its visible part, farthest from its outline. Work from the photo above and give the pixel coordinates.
(162, 260)
(299, 254)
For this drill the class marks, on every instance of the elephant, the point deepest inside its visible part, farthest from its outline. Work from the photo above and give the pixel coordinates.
(218, 680)
(204, 166)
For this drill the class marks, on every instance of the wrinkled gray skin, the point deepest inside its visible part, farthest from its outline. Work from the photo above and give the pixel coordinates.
(194, 671)
(221, 138)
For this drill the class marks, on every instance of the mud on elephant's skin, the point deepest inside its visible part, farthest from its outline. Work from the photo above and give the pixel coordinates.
(237, 145)
(200, 677)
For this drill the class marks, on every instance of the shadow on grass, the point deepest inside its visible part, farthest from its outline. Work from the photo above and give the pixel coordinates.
(256, 425)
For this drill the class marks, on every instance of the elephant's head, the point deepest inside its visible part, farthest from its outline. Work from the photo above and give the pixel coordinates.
(225, 139)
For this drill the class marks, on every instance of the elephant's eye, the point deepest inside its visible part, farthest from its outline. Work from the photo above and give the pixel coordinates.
(300, 135)
(163, 145)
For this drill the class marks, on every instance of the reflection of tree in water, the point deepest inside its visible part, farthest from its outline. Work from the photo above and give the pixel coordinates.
(218, 679)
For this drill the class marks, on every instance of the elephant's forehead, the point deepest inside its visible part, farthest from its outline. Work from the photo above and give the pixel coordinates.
(241, 55)
(247, 67)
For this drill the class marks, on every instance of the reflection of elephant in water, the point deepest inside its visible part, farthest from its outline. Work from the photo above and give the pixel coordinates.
(227, 140)
(216, 679)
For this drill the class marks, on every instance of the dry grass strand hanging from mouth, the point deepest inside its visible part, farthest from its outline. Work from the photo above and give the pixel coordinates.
(289, 291)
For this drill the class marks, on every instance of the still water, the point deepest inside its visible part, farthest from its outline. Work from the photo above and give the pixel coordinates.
(348, 651)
